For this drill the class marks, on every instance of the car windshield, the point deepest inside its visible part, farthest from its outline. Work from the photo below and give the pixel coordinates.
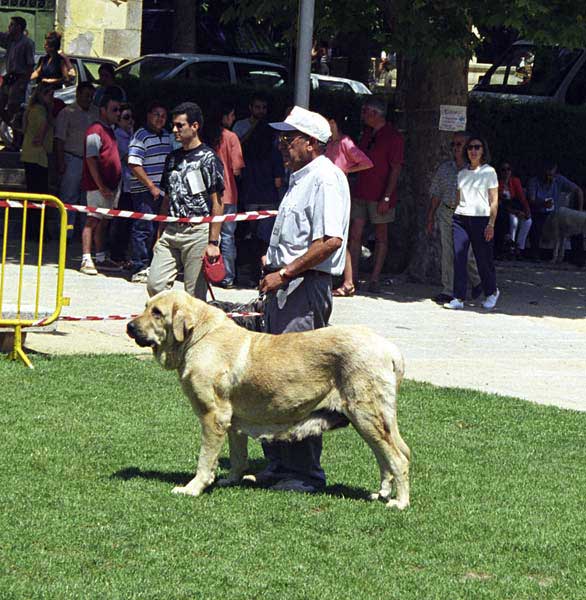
(530, 70)
(149, 67)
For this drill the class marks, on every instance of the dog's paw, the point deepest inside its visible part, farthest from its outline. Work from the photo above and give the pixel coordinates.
(185, 490)
(396, 504)
(382, 495)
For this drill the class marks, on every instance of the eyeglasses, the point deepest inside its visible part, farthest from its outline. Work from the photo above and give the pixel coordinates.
(127, 117)
(474, 147)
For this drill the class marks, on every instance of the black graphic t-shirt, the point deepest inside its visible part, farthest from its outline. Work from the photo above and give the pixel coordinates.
(189, 178)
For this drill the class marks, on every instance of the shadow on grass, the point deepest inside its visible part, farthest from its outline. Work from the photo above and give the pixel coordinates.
(182, 478)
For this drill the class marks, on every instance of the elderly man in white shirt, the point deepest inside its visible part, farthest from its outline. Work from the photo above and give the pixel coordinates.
(307, 247)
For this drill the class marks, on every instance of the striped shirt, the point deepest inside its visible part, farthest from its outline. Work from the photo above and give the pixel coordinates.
(444, 184)
(148, 150)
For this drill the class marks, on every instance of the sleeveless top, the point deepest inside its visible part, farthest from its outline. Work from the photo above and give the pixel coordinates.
(50, 69)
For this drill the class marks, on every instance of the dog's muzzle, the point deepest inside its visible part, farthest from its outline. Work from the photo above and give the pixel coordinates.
(134, 333)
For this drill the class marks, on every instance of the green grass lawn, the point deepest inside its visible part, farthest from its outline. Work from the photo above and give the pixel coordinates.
(91, 447)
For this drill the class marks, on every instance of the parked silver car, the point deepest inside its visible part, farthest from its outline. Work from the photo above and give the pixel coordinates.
(210, 68)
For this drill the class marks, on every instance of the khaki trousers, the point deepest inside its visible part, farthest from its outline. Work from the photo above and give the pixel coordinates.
(444, 219)
(180, 247)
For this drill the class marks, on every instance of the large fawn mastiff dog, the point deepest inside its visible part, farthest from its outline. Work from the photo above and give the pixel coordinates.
(282, 387)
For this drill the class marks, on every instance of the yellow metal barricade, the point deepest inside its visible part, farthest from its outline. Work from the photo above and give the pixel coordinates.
(39, 203)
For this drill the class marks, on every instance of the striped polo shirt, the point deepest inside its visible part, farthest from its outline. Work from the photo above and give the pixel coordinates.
(149, 150)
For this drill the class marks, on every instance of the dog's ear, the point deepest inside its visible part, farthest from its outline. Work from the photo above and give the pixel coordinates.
(182, 323)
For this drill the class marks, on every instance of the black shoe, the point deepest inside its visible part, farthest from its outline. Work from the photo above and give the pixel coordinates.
(442, 298)
(476, 291)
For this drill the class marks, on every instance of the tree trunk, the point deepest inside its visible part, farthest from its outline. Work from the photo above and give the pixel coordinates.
(184, 32)
(423, 86)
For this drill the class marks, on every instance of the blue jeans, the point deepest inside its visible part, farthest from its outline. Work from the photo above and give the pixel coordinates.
(143, 233)
(228, 244)
(70, 191)
(469, 231)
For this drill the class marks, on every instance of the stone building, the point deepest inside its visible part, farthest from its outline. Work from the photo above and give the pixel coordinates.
(104, 28)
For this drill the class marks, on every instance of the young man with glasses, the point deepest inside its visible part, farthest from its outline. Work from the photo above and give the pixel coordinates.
(147, 153)
(102, 173)
(444, 191)
(374, 197)
(307, 247)
(193, 184)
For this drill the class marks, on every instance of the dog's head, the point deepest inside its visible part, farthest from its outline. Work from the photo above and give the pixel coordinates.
(170, 319)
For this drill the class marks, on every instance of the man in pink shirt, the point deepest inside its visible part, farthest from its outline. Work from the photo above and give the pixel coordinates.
(374, 196)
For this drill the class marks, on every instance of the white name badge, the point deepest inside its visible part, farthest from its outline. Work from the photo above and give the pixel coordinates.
(195, 182)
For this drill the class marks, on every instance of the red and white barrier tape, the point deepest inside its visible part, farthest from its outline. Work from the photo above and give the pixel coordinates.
(72, 318)
(129, 214)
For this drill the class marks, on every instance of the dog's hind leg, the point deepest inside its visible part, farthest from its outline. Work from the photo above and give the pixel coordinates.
(393, 461)
(213, 433)
(238, 458)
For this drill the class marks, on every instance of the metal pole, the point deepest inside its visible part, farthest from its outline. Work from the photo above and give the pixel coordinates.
(304, 44)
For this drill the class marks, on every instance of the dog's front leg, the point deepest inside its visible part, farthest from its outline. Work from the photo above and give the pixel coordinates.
(238, 457)
(212, 438)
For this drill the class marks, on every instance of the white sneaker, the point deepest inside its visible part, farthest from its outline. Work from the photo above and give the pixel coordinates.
(491, 300)
(454, 304)
(88, 267)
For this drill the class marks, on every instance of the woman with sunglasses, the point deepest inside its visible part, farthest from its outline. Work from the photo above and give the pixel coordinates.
(473, 224)
(515, 208)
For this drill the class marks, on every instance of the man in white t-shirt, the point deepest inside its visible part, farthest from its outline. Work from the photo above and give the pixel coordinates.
(307, 247)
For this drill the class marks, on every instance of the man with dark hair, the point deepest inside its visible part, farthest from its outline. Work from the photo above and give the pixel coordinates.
(70, 127)
(258, 108)
(193, 183)
(20, 63)
(102, 173)
(148, 150)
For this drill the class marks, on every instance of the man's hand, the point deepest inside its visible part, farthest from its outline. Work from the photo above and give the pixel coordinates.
(155, 192)
(212, 251)
(271, 282)
(60, 166)
(383, 207)
(107, 193)
(489, 232)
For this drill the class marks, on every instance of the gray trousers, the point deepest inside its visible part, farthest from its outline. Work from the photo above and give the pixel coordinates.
(445, 217)
(180, 247)
(308, 307)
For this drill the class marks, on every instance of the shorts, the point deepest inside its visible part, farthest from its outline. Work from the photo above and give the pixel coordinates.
(96, 200)
(366, 211)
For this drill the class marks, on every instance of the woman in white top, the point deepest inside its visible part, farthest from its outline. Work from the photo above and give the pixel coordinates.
(473, 223)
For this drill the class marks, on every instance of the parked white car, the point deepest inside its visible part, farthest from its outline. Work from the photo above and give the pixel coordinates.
(326, 82)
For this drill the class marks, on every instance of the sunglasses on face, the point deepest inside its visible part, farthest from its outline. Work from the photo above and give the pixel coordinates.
(127, 117)
(457, 144)
(178, 125)
(474, 147)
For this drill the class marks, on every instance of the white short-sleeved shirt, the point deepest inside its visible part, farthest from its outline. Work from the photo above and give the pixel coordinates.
(317, 204)
(473, 185)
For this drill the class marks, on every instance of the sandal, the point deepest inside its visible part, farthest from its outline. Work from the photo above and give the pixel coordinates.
(345, 291)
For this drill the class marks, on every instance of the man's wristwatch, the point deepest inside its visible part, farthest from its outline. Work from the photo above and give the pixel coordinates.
(283, 273)
(214, 242)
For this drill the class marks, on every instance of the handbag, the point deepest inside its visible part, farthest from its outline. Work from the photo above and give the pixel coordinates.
(215, 271)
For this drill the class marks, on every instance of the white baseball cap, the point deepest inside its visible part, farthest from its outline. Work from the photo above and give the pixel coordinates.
(305, 121)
